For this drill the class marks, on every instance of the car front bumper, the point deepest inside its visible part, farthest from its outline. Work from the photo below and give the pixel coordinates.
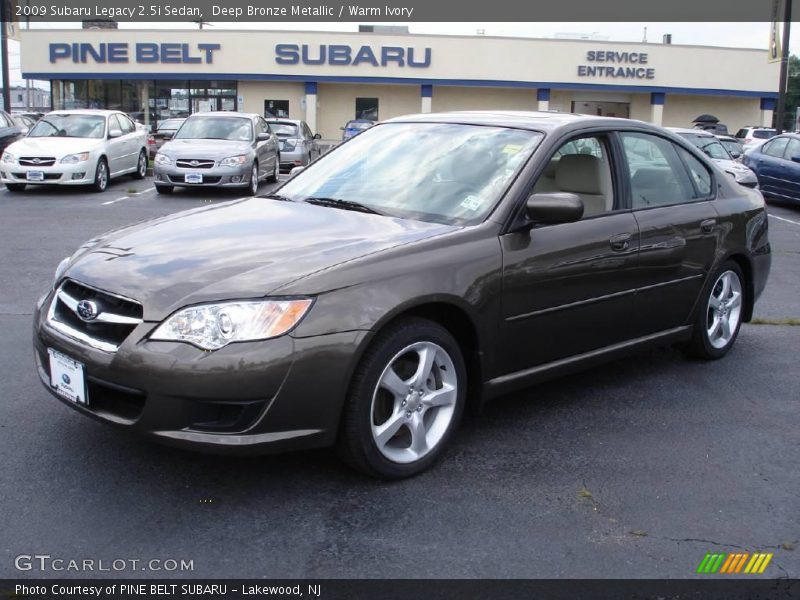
(81, 173)
(246, 398)
(213, 177)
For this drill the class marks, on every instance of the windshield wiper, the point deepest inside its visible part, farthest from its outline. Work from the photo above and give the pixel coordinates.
(344, 204)
(277, 197)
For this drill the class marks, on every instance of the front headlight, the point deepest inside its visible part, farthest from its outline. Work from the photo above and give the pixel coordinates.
(233, 161)
(212, 326)
(8, 157)
(73, 159)
(162, 159)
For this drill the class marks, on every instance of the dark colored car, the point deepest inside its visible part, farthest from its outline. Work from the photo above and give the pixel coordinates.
(10, 130)
(433, 261)
(164, 132)
(354, 127)
(777, 165)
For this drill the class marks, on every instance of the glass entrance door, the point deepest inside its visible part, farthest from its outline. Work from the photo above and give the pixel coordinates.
(210, 103)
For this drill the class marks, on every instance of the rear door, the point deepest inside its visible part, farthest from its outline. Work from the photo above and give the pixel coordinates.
(671, 193)
(131, 142)
(116, 145)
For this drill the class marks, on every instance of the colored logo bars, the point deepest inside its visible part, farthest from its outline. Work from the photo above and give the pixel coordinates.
(734, 562)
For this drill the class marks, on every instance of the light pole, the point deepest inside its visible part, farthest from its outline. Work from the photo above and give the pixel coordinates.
(787, 25)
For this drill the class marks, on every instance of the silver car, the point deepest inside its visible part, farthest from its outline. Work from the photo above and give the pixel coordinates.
(298, 145)
(76, 147)
(218, 149)
(711, 146)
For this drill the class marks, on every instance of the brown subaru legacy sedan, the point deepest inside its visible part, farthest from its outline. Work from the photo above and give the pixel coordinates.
(430, 263)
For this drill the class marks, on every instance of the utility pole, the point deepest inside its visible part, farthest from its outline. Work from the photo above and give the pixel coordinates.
(4, 16)
(787, 25)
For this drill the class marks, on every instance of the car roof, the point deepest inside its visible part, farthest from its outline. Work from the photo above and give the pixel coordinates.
(728, 138)
(534, 120)
(222, 113)
(86, 111)
(282, 120)
(700, 132)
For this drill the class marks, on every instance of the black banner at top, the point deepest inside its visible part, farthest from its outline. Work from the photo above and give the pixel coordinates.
(711, 11)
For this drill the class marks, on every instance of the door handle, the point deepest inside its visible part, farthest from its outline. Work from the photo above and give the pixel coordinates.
(708, 225)
(620, 242)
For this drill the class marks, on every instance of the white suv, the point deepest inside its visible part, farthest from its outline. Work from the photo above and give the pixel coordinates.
(753, 137)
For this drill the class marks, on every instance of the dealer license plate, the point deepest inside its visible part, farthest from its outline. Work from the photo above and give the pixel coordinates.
(193, 178)
(35, 175)
(67, 377)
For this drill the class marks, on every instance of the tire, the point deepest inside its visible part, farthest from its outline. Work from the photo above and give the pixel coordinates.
(276, 172)
(719, 315)
(141, 166)
(253, 187)
(101, 176)
(396, 434)
(165, 189)
(16, 187)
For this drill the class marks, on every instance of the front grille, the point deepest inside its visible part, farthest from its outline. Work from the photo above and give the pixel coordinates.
(47, 176)
(182, 179)
(37, 161)
(194, 163)
(110, 320)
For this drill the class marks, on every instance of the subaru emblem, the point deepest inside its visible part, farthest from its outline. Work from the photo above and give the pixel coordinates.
(194, 163)
(87, 310)
(36, 161)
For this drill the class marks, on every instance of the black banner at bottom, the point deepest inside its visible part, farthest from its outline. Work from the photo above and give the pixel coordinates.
(402, 589)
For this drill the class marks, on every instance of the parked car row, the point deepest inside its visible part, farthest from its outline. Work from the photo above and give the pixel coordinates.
(712, 147)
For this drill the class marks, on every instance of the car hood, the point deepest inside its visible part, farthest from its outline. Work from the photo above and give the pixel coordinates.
(53, 146)
(204, 148)
(242, 249)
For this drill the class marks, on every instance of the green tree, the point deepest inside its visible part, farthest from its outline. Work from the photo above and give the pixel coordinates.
(792, 93)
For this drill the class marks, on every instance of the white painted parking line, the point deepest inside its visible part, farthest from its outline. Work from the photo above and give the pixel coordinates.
(785, 219)
(150, 189)
(117, 200)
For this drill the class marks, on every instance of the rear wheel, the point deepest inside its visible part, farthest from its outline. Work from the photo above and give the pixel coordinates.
(141, 166)
(101, 176)
(165, 189)
(16, 187)
(405, 401)
(720, 314)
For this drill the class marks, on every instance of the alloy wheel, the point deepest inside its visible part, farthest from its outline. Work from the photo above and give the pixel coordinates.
(142, 165)
(724, 309)
(254, 180)
(414, 402)
(102, 175)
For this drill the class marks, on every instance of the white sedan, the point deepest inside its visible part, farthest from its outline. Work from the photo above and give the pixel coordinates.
(76, 147)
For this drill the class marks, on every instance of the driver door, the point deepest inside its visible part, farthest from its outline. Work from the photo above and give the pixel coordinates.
(116, 147)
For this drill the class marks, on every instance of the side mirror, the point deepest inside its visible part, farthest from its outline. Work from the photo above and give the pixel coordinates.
(167, 135)
(263, 136)
(114, 133)
(317, 136)
(554, 207)
(796, 159)
(735, 154)
(296, 170)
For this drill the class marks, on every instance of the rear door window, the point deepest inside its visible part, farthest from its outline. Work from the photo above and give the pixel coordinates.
(776, 147)
(792, 149)
(657, 174)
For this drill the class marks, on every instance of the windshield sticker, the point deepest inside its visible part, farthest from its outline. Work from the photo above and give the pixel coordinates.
(471, 202)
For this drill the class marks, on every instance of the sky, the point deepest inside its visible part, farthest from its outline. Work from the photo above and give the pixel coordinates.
(737, 35)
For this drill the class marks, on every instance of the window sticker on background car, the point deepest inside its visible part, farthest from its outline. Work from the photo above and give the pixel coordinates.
(472, 202)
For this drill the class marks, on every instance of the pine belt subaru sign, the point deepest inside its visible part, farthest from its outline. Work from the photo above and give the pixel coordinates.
(285, 54)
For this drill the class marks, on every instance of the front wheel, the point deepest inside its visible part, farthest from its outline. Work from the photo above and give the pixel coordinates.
(254, 179)
(141, 166)
(15, 187)
(405, 401)
(719, 315)
(101, 176)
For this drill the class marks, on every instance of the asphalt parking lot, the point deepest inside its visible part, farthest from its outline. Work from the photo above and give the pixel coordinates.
(635, 469)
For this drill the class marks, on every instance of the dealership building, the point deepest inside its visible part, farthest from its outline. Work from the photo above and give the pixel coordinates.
(327, 78)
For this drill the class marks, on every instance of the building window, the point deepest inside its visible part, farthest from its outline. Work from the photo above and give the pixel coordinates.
(19, 98)
(276, 108)
(367, 108)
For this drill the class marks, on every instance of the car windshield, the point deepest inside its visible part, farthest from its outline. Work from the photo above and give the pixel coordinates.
(439, 172)
(75, 126)
(216, 128)
(731, 146)
(358, 125)
(764, 134)
(283, 129)
(170, 124)
(709, 145)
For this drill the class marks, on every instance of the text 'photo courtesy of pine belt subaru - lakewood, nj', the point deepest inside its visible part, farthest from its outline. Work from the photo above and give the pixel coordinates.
(426, 265)
(76, 147)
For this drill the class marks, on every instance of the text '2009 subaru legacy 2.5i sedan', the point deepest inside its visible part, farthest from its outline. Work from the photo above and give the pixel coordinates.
(431, 262)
